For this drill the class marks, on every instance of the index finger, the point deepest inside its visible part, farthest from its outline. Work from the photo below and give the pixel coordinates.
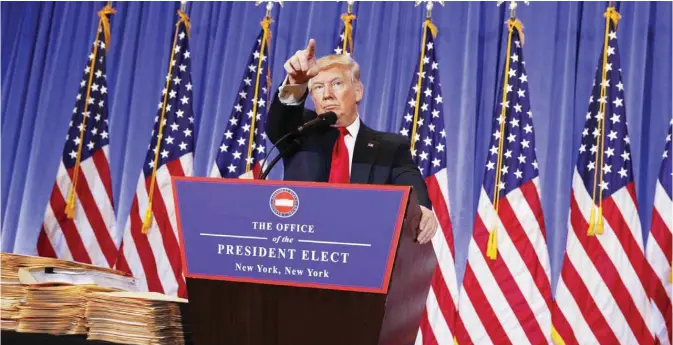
(310, 49)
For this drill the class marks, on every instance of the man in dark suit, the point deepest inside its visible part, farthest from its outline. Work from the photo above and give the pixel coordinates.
(348, 152)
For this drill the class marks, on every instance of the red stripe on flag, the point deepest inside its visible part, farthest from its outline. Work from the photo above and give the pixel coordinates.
(70, 233)
(503, 276)
(613, 215)
(515, 297)
(94, 217)
(144, 250)
(661, 233)
(165, 229)
(167, 234)
(563, 327)
(101, 163)
(631, 188)
(657, 292)
(605, 267)
(667, 316)
(484, 311)
(426, 330)
(256, 170)
(441, 210)
(524, 247)
(523, 244)
(533, 198)
(444, 299)
(44, 247)
(460, 332)
(587, 306)
(122, 264)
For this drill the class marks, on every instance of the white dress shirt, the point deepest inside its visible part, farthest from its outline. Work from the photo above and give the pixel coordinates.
(293, 94)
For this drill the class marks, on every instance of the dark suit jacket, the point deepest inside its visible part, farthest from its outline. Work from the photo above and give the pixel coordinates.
(378, 157)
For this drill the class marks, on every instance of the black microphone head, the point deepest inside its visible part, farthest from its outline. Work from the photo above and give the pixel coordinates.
(319, 123)
(329, 118)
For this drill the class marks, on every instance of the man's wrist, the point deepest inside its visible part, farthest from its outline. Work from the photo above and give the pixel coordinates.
(292, 94)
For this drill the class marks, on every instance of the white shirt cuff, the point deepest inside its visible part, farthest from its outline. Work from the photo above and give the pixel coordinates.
(292, 94)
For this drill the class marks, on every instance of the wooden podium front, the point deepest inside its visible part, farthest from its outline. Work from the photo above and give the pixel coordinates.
(247, 313)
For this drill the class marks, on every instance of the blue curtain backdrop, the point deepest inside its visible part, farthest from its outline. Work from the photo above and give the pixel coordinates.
(45, 47)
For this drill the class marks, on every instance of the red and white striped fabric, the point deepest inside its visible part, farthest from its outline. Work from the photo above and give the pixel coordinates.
(154, 256)
(506, 292)
(424, 122)
(508, 300)
(89, 235)
(439, 318)
(658, 251)
(601, 296)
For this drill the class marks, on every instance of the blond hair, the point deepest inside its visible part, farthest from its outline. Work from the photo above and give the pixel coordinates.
(344, 62)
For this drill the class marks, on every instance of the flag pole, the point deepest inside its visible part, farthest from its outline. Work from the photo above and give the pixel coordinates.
(512, 23)
(427, 24)
(147, 220)
(103, 24)
(596, 215)
(266, 40)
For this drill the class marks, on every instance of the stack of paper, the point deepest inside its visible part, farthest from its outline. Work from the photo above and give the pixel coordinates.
(135, 318)
(12, 292)
(12, 295)
(12, 262)
(19, 272)
(56, 309)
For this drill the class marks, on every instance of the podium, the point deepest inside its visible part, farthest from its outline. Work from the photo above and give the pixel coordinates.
(364, 277)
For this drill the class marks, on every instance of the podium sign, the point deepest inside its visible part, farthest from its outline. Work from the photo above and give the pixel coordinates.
(289, 233)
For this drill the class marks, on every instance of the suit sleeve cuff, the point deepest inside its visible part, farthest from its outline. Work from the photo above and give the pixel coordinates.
(292, 94)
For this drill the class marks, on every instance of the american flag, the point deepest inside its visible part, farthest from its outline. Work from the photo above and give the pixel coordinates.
(79, 223)
(344, 42)
(244, 142)
(506, 292)
(658, 250)
(423, 123)
(150, 249)
(601, 296)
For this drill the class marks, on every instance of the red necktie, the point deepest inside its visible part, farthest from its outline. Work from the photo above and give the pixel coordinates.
(339, 171)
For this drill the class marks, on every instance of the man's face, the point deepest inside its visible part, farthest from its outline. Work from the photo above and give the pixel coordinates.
(333, 90)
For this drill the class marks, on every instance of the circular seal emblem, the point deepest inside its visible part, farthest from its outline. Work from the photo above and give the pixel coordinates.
(284, 202)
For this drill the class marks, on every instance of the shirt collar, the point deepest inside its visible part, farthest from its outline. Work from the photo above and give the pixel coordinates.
(354, 127)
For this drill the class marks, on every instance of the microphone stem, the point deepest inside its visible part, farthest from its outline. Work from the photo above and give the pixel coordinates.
(277, 158)
(271, 165)
(268, 154)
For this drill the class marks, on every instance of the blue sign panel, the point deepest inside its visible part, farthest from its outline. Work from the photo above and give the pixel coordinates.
(340, 237)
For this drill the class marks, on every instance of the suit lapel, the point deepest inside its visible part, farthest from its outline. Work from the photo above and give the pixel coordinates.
(364, 154)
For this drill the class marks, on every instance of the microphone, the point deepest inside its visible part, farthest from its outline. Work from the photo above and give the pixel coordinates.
(322, 121)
